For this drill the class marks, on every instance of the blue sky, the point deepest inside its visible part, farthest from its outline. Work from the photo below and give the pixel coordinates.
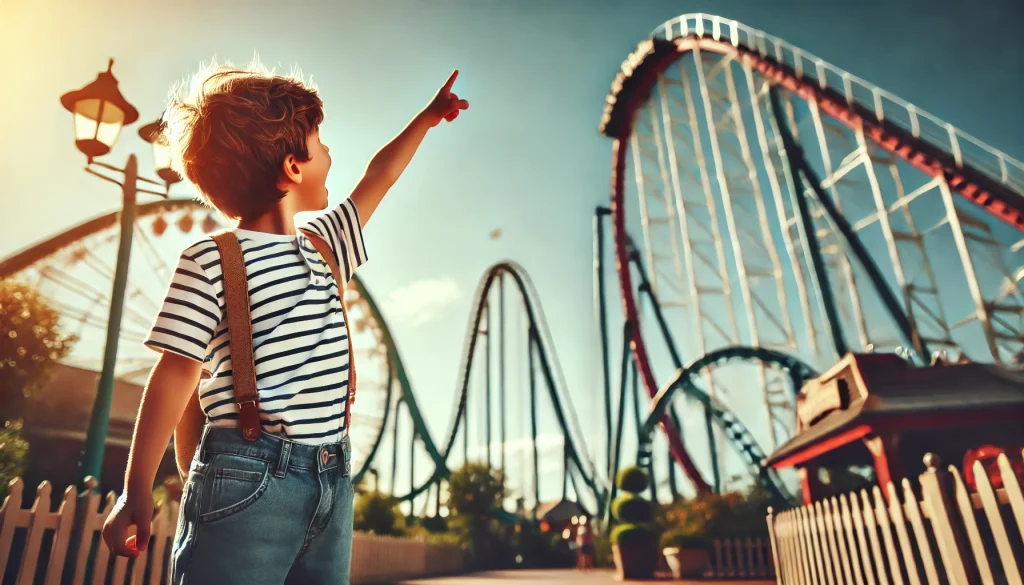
(526, 158)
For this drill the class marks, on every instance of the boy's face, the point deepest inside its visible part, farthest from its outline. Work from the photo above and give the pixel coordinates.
(312, 189)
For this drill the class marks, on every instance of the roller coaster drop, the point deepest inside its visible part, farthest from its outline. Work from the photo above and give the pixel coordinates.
(651, 115)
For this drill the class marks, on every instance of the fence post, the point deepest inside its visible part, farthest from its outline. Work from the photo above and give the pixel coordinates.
(771, 538)
(937, 495)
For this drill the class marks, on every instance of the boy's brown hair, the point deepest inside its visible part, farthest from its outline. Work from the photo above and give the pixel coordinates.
(231, 130)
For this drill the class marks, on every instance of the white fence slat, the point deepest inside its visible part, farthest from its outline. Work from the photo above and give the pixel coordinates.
(995, 522)
(1013, 490)
(838, 546)
(862, 539)
(885, 526)
(858, 576)
(823, 552)
(871, 527)
(966, 507)
(923, 544)
(899, 523)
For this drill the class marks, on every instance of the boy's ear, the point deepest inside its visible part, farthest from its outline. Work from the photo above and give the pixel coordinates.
(291, 170)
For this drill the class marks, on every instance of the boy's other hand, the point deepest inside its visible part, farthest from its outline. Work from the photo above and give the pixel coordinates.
(135, 511)
(445, 105)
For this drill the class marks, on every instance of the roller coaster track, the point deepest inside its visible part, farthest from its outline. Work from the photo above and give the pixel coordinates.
(956, 162)
(550, 370)
(735, 431)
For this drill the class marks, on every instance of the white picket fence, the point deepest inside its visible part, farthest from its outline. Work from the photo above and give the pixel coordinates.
(741, 558)
(79, 518)
(936, 533)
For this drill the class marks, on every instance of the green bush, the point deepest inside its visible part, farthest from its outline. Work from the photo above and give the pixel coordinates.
(13, 450)
(632, 509)
(632, 533)
(683, 539)
(632, 480)
(378, 513)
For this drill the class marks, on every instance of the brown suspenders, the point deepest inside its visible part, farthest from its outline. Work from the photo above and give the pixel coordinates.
(236, 300)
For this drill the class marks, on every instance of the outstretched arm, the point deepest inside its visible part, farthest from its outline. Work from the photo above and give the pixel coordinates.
(390, 161)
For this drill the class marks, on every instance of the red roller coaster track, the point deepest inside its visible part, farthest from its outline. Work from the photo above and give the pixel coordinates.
(632, 86)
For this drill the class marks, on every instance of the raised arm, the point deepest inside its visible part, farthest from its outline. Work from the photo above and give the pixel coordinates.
(390, 161)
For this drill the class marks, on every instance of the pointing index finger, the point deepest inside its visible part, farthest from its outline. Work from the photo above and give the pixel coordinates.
(451, 80)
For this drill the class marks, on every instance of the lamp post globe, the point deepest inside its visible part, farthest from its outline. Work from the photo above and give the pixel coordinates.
(100, 111)
(153, 133)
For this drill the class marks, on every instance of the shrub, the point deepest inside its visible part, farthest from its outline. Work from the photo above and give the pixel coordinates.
(632, 480)
(31, 344)
(378, 513)
(632, 509)
(13, 450)
(681, 538)
(632, 533)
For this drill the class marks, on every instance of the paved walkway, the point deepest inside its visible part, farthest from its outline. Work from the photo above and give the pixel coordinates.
(550, 577)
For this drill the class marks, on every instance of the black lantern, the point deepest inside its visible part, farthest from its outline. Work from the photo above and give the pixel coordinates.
(153, 133)
(100, 112)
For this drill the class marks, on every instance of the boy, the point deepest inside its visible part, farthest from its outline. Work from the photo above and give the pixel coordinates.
(277, 509)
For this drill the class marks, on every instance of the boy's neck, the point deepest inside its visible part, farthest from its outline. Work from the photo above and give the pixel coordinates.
(278, 221)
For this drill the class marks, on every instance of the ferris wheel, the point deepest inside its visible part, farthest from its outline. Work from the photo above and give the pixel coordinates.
(73, 271)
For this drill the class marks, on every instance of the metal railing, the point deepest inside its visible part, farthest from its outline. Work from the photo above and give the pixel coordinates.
(964, 148)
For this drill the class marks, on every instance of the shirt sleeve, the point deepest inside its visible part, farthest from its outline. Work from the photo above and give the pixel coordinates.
(342, 230)
(189, 315)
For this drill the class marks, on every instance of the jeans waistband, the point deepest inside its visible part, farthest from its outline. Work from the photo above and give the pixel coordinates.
(281, 452)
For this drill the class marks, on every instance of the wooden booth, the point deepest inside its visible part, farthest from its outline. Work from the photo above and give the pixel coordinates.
(877, 410)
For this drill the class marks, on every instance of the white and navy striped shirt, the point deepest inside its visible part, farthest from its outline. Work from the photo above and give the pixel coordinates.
(300, 340)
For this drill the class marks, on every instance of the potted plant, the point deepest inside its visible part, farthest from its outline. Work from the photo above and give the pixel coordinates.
(635, 538)
(687, 554)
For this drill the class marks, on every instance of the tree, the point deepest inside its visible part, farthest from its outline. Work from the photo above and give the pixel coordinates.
(13, 450)
(31, 344)
(475, 492)
(378, 513)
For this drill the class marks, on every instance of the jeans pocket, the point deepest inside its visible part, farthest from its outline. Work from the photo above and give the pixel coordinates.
(233, 484)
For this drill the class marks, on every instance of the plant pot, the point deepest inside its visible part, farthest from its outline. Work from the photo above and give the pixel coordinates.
(634, 560)
(687, 563)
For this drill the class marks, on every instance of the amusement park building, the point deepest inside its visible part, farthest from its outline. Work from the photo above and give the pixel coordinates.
(56, 420)
(877, 410)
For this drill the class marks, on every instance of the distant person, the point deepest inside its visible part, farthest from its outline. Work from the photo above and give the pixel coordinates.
(273, 506)
(584, 546)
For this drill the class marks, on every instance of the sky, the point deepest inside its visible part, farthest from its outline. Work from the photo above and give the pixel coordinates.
(526, 158)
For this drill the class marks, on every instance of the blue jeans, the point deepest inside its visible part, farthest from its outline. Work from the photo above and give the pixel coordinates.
(272, 512)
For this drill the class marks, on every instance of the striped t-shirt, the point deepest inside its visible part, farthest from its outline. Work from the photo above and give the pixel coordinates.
(300, 340)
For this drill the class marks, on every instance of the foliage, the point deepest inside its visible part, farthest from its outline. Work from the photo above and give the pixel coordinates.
(632, 509)
(474, 493)
(633, 533)
(602, 551)
(378, 513)
(434, 524)
(168, 491)
(537, 549)
(632, 480)
(682, 539)
(475, 490)
(31, 343)
(13, 450)
(698, 520)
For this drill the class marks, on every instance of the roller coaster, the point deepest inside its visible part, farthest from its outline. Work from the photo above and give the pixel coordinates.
(738, 146)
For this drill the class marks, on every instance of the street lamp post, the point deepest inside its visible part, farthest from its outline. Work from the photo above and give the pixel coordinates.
(100, 112)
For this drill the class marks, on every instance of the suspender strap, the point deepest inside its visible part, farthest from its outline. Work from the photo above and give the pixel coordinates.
(243, 368)
(324, 249)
